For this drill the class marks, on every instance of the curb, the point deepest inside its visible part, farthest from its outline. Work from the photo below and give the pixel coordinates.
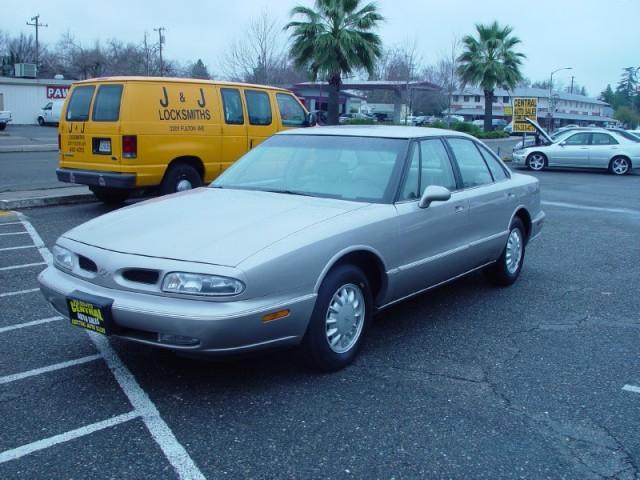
(47, 147)
(46, 200)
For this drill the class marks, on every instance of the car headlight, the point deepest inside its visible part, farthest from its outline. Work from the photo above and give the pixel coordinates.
(200, 284)
(62, 257)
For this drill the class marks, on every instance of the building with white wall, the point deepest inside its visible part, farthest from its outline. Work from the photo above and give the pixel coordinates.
(567, 108)
(24, 97)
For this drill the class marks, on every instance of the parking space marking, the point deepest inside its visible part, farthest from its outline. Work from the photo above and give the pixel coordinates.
(49, 368)
(18, 292)
(21, 247)
(10, 223)
(173, 450)
(631, 388)
(25, 265)
(23, 450)
(6, 234)
(627, 211)
(29, 324)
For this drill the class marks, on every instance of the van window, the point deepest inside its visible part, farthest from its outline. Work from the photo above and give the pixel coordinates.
(78, 109)
(106, 108)
(291, 113)
(232, 104)
(259, 107)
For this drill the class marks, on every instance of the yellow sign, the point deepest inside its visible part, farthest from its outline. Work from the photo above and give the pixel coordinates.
(524, 108)
(508, 110)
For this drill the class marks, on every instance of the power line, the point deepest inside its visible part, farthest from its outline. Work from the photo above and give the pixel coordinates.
(37, 24)
(160, 43)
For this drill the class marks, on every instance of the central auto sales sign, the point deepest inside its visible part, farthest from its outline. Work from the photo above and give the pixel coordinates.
(57, 92)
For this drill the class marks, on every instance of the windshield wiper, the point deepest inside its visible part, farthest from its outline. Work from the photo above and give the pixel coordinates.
(287, 192)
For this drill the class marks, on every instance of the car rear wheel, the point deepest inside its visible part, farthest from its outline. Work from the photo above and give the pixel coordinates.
(110, 196)
(180, 177)
(619, 166)
(339, 320)
(41, 121)
(507, 268)
(536, 161)
(3, 126)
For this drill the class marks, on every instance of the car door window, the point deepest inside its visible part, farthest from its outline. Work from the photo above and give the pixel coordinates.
(497, 170)
(473, 169)
(232, 104)
(258, 107)
(436, 167)
(603, 139)
(578, 139)
(410, 188)
(291, 113)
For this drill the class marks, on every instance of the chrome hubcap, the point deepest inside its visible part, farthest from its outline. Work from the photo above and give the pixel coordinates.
(183, 185)
(536, 162)
(514, 251)
(345, 318)
(620, 166)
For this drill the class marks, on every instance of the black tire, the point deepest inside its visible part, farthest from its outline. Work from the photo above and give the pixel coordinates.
(318, 354)
(533, 161)
(178, 173)
(499, 273)
(41, 121)
(619, 166)
(3, 126)
(110, 196)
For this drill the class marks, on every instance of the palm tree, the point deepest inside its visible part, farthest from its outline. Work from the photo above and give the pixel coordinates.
(333, 39)
(490, 61)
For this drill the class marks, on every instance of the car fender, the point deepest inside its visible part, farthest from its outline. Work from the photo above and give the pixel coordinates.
(336, 258)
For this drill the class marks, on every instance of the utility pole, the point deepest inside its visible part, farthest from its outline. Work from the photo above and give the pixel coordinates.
(37, 24)
(572, 77)
(160, 43)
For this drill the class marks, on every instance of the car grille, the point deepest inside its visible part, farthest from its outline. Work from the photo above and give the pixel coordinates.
(87, 264)
(141, 275)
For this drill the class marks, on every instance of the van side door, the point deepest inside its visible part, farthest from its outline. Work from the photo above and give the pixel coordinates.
(260, 112)
(234, 127)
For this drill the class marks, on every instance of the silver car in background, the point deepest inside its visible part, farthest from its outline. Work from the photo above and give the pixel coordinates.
(301, 241)
(581, 148)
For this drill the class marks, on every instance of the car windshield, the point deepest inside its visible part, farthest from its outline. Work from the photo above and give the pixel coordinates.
(349, 168)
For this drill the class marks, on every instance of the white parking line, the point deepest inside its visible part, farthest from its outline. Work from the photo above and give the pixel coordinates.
(25, 265)
(13, 233)
(48, 368)
(10, 223)
(627, 211)
(30, 324)
(22, 247)
(631, 388)
(180, 460)
(16, 453)
(18, 292)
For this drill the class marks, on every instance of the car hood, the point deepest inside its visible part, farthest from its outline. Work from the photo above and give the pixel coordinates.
(540, 130)
(208, 225)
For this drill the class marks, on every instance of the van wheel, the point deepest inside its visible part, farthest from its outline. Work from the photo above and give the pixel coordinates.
(110, 196)
(3, 126)
(41, 121)
(180, 177)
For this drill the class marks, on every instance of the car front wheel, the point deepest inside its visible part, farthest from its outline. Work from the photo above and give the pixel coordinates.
(536, 161)
(339, 320)
(506, 269)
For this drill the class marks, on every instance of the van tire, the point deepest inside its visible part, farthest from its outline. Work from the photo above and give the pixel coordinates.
(110, 196)
(41, 121)
(179, 175)
(3, 126)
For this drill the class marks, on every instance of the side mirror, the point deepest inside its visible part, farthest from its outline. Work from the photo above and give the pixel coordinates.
(434, 193)
(310, 120)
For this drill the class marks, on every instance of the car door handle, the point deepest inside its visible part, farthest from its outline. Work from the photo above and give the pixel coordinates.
(511, 194)
(459, 208)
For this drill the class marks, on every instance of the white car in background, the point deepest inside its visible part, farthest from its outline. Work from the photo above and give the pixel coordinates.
(50, 113)
(585, 148)
(5, 118)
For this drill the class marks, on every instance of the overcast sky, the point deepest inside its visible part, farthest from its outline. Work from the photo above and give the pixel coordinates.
(595, 37)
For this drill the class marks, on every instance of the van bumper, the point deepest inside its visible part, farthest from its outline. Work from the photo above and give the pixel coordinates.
(99, 179)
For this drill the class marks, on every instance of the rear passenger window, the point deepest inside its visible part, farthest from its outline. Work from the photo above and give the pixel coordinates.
(258, 107)
(232, 104)
(78, 109)
(602, 139)
(497, 170)
(291, 113)
(473, 170)
(106, 108)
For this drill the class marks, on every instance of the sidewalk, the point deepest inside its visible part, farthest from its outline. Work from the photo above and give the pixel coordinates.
(45, 197)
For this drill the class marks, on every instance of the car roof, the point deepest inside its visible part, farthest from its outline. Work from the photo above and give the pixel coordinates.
(381, 131)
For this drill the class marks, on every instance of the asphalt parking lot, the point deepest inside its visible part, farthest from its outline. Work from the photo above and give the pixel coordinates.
(539, 380)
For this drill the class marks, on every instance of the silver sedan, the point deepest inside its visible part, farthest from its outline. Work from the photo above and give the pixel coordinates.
(300, 242)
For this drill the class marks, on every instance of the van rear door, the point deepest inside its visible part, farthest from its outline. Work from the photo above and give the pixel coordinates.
(91, 136)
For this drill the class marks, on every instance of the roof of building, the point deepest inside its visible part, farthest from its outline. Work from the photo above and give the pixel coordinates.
(379, 131)
(374, 84)
(35, 81)
(531, 92)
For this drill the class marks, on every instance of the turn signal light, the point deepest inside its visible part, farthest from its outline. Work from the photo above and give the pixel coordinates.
(275, 315)
(129, 146)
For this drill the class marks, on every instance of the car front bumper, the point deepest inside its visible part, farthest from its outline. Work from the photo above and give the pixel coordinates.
(219, 327)
(519, 158)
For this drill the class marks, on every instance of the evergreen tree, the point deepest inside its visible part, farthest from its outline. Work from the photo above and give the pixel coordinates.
(199, 70)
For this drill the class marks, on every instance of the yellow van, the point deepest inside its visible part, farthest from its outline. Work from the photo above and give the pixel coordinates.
(118, 134)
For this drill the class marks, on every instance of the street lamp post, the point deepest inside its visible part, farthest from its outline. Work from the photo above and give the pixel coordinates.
(550, 93)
